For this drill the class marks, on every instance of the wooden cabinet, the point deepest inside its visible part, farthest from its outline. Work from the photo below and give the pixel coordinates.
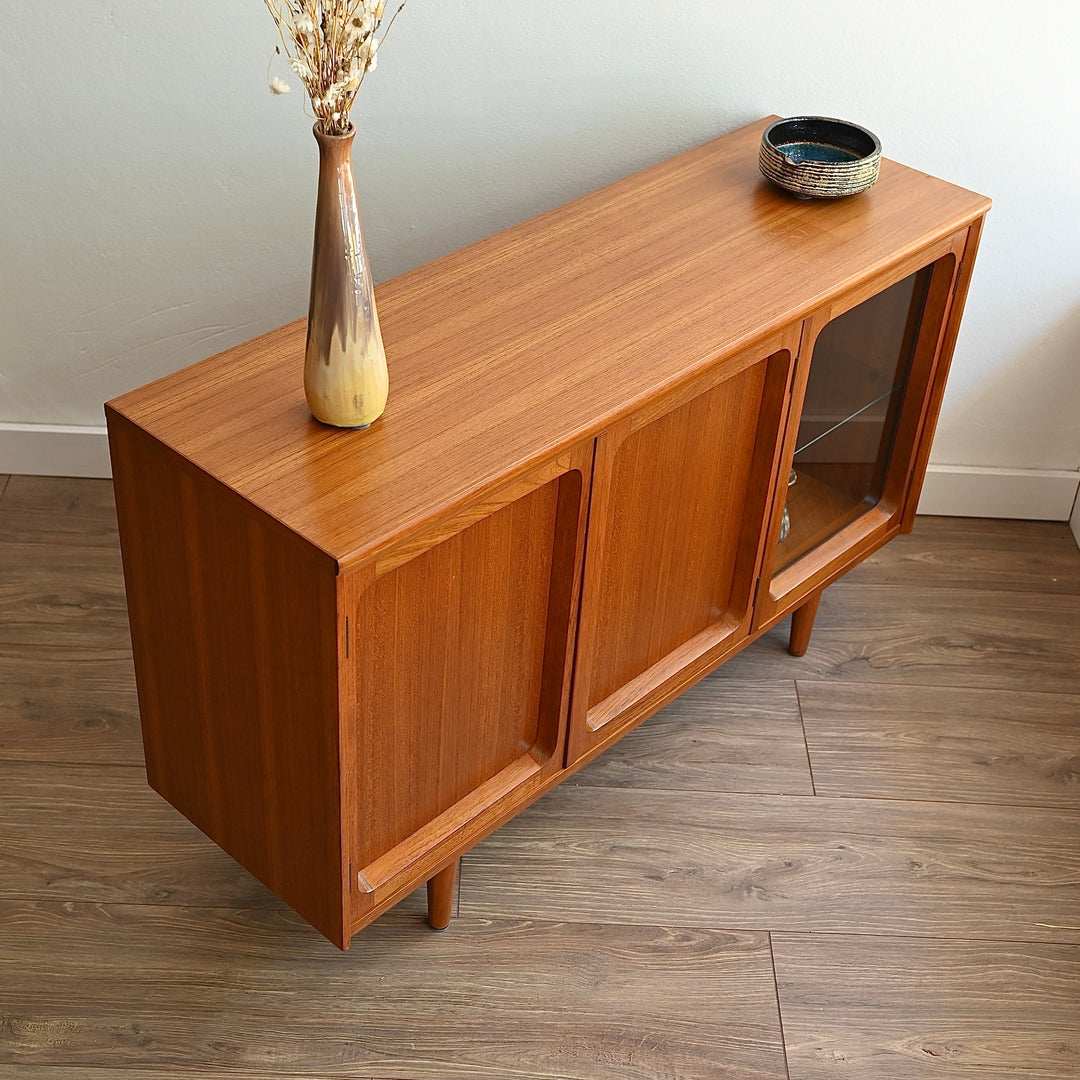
(358, 653)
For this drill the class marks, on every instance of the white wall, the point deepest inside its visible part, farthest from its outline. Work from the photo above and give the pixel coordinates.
(156, 200)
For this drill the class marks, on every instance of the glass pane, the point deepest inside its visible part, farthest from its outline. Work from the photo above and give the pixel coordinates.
(858, 373)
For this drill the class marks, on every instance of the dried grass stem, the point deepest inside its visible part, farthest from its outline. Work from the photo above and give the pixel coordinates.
(331, 45)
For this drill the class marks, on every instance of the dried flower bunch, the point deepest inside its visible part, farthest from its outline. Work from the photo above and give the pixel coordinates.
(331, 45)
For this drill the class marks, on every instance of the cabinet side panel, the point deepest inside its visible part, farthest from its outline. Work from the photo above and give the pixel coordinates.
(233, 625)
(450, 658)
(673, 544)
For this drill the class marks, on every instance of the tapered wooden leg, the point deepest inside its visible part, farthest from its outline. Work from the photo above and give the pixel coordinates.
(802, 623)
(440, 896)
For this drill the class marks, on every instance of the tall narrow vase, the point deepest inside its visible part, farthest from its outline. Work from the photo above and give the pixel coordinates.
(345, 377)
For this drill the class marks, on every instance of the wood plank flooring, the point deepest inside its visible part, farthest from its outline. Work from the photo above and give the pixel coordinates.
(821, 865)
(910, 1008)
(988, 746)
(212, 985)
(862, 863)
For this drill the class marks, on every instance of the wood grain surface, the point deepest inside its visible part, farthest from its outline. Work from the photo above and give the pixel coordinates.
(453, 695)
(934, 742)
(685, 491)
(930, 637)
(914, 1009)
(674, 549)
(61, 598)
(653, 278)
(58, 510)
(63, 709)
(528, 999)
(1016, 556)
(67, 690)
(61, 581)
(131, 946)
(717, 736)
(234, 626)
(98, 833)
(809, 864)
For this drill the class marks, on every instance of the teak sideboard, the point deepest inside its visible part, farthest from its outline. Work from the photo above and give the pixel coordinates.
(623, 440)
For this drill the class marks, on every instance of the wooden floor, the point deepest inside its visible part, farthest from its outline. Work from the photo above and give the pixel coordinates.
(863, 863)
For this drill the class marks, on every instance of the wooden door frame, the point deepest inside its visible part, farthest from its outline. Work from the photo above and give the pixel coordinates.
(657, 685)
(437, 844)
(787, 589)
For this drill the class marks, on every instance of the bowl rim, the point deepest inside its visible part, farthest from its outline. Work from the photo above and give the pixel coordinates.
(766, 135)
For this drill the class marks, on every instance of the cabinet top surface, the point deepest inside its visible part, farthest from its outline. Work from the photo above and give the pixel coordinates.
(509, 351)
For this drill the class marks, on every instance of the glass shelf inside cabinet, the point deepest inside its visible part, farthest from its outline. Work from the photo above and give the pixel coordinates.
(859, 371)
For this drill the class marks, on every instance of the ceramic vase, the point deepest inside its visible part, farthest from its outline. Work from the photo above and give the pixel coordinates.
(345, 376)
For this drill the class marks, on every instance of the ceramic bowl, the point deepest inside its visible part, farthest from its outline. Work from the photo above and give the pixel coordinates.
(819, 158)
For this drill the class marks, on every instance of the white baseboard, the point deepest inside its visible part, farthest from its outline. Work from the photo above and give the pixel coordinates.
(973, 491)
(54, 450)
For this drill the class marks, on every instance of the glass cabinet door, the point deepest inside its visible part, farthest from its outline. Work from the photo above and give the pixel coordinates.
(860, 369)
(854, 428)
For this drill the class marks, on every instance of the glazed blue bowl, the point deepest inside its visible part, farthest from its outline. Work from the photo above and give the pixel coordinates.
(817, 157)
